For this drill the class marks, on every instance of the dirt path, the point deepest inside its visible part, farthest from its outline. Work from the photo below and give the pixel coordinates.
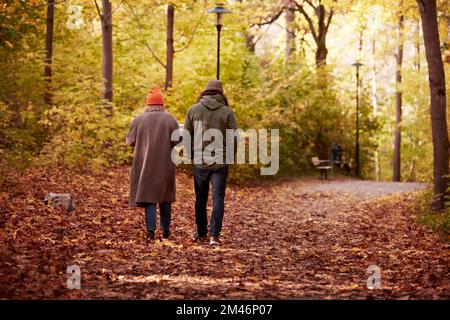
(287, 239)
(362, 190)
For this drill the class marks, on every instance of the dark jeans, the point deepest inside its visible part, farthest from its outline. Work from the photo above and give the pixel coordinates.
(218, 178)
(165, 213)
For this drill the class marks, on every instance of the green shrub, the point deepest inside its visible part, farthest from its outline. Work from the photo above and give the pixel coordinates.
(85, 132)
(437, 221)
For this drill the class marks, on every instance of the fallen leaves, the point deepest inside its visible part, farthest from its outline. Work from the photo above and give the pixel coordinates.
(283, 239)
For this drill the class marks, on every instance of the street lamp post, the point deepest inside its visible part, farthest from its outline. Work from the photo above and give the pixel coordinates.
(358, 168)
(219, 10)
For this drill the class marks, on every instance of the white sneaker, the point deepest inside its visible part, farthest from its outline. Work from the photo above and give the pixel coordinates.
(214, 241)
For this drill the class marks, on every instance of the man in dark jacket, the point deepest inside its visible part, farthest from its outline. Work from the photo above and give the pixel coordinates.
(212, 114)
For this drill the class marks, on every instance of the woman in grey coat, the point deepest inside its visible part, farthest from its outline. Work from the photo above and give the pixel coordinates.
(152, 176)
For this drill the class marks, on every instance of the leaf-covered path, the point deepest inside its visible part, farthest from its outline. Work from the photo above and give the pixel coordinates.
(284, 239)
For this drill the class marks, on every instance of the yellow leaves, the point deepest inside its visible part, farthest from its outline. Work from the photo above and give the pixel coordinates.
(167, 243)
(344, 270)
(356, 250)
(393, 257)
(254, 278)
(114, 200)
(106, 251)
(45, 122)
(14, 235)
(234, 294)
(270, 282)
(52, 269)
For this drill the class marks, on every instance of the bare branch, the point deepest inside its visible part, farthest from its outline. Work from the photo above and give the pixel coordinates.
(98, 10)
(191, 37)
(307, 43)
(329, 20)
(261, 35)
(24, 7)
(270, 21)
(311, 4)
(143, 39)
(308, 19)
(118, 7)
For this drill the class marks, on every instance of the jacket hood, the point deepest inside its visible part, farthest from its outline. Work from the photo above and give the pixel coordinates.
(213, 102)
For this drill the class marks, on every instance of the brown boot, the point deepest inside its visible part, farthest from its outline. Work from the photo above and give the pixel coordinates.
(199, 238)
(150, 235)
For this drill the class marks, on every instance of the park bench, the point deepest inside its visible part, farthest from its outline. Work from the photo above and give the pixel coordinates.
(323, 165)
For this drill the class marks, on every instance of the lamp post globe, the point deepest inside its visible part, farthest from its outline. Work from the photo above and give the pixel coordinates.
(219, 10)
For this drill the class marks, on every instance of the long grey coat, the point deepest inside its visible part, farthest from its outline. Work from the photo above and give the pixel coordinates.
(152, 176)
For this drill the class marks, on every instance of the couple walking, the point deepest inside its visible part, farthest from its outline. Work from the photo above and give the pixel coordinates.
(152, 176)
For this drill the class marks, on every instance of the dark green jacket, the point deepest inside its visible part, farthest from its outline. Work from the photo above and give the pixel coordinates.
(213, 114)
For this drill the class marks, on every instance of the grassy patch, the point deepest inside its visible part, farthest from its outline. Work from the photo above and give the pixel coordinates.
(437, 221)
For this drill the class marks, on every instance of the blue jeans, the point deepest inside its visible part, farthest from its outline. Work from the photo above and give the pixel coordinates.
(165, 213)
(218, 178)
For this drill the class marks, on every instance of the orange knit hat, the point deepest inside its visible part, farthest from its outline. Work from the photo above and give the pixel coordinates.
(155, 97)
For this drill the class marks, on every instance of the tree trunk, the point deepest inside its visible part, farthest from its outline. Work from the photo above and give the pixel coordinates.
(289, 6)
(170, 48)
(416, 140)
(436, 77)
(398, 101)
(322, 51)
(418, 45)
(320, 31)
(375, 104)
(107, 50)
(374, 78)
(49, 51)
(250, 42)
